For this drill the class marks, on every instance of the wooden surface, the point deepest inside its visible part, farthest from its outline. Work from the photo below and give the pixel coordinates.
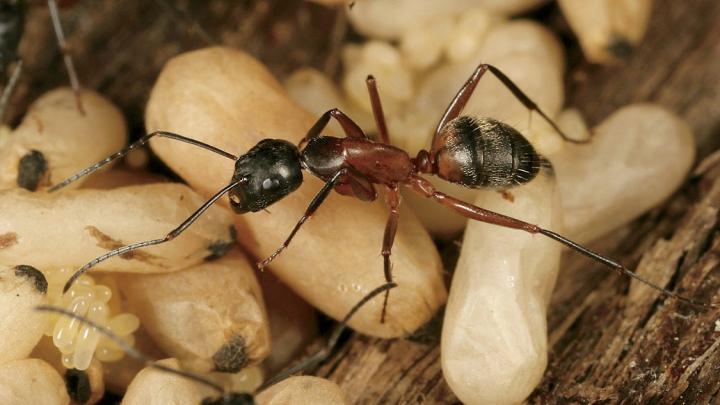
(611, 340)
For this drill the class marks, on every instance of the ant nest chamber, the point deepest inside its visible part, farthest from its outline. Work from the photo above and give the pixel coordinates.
(477, 313)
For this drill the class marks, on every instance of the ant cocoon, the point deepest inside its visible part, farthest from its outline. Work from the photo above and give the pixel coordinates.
(54, 140)
(205, 95)
(637, 158)
(495, 319)
(302, 390)
(211, 317)
(21, 288)
(31, 382)
(83, 227)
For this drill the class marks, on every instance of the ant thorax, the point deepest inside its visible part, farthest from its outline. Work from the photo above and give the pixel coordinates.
(483, 152)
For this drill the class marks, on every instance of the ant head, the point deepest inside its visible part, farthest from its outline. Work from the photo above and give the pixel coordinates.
(231, 398)
(267, 173)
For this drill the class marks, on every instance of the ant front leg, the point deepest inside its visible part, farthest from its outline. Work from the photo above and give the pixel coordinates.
(314, 204)
(351, 129)
(10, 88)
(377, 109)
(393, 200)
(474, 212)
(466, 91)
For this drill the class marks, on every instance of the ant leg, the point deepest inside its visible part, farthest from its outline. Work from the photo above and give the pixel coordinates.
(10, 88)
(167, 238)
(67, 58)
(393, 200)
(463, 95)
(322, 354)
(142, 141)
(377, 109)
(314, 204)
(471, 211)
(133, 352)
(351, 129)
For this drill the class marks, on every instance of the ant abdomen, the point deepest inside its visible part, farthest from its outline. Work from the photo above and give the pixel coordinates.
(483, 152)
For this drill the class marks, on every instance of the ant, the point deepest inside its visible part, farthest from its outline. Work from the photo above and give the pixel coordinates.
(473, 152)
(12, 22)
(232, 398)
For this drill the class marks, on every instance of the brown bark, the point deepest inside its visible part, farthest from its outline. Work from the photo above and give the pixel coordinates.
(611, 340)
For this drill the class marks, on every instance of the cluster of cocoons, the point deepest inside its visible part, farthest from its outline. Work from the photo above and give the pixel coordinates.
(76, 342)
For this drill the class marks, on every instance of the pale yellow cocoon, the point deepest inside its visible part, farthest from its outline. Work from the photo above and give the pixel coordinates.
(494, 338)
(68, 140)
(226, 98)
(31, 382)
(158, 387)
(71, 228)
(607, 29)
(193, 314)
(635, 159)
(389, 19)
(21, 327)
(302, 390)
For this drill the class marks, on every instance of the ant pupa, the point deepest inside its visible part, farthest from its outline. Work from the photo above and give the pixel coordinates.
(225, 397)
(12, 23)
(474, 152)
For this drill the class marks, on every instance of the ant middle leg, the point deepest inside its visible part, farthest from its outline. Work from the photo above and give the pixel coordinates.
(466, 91)
(167, 238)
(314, 204)
(425, 188)
(377, 109)
(393, 200)
(351, 129)
(10, 88)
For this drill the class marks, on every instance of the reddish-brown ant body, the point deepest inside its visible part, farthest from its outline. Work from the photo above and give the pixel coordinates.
(473, 152)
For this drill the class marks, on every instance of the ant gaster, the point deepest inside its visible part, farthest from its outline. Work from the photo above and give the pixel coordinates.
(473, 152)
(12, 23)
(231, 398)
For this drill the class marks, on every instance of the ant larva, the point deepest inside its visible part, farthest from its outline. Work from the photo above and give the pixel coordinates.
(12, 22)
(231, 398)
(469, 151)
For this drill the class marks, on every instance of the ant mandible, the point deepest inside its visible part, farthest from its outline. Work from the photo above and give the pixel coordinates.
(12, 22)
(231, 398)
(472, 152)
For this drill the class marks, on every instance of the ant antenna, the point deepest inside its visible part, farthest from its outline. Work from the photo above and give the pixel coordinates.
(67, 58)
(170, 236)
(142, 141)
(10, 88)
(148, 362)
(323, 353)
(622, 269)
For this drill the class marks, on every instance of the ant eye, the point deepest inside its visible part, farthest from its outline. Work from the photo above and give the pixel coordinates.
(269, 184)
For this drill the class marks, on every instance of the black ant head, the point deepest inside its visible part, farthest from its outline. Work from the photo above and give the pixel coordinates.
(231, 398)
(267, 173)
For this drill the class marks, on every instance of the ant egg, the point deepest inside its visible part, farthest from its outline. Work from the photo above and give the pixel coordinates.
(495, 316)
(54, 141)
(79, 343)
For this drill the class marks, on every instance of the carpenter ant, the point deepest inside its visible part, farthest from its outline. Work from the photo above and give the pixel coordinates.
(472, 152)
(12, 22)
(232, 398)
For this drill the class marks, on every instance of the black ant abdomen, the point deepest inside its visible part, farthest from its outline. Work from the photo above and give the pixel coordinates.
(265, 174)
(231, 398)
(483, 152)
